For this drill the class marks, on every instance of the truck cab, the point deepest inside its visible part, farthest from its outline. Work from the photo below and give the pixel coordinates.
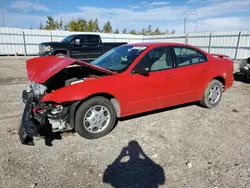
(86, 47)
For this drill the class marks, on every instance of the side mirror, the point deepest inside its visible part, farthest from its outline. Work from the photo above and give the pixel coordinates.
(76, 42)
(143, 71)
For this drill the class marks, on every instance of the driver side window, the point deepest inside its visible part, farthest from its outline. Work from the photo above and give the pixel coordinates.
(75, 41)
(78, 40)
(157, 59)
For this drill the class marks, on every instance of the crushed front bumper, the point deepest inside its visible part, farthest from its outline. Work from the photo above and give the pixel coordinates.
(245, 72)
(27, 128)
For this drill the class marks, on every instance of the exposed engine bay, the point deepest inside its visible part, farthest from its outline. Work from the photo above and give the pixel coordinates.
(57, 115)
(71, 75)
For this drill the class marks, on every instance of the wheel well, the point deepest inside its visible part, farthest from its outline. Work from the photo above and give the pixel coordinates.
(222, 80)
(61, 51)
(110, 97)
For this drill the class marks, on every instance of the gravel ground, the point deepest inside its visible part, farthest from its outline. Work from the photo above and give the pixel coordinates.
(186, 146)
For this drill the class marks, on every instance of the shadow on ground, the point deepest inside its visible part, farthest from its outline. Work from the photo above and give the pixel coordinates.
(49, 136)
(45, 131)
(160, 110)
(134, 169)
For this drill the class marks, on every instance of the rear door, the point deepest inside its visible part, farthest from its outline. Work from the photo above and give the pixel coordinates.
(92, 47)
(191, 73)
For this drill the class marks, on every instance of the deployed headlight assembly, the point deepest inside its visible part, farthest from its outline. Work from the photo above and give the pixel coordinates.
(38, 89)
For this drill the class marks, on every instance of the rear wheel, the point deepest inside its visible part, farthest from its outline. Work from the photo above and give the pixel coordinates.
(95, 118)
(212, 95)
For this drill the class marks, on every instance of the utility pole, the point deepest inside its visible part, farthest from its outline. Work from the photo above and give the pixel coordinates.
(2, 9)
(196, 27)
(185, 20)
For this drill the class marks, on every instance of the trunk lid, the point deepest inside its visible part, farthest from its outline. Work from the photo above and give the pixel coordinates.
(220, 56)
(40, 69)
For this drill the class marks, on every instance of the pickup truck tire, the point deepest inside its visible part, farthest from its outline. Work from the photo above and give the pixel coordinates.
(95, 118)
(61, 55)
(212, 95)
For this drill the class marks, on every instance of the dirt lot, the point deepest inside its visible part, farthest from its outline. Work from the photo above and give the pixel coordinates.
(180, 147)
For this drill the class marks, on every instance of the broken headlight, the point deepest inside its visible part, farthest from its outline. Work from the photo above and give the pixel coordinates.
(37, 88)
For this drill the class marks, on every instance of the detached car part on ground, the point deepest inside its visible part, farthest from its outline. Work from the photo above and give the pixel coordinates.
(65, 94)
(244, 67)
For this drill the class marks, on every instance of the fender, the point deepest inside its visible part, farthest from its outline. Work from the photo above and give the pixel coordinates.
(223, 72)
(88, 88)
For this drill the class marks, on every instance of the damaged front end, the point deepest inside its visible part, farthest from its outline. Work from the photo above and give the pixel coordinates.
(244, 67)
(48, 75)
(39, 116)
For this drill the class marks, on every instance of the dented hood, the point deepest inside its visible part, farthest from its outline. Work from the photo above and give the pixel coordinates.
(40, 69)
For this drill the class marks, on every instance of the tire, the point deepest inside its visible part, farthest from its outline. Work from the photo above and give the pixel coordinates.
(87, 122)
(208, 100)
(61, 55)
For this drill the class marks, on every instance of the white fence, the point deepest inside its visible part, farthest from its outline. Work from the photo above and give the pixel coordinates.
(236, 44)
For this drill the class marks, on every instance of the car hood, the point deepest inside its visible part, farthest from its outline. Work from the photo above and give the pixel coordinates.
(48, 43)
(40, 69)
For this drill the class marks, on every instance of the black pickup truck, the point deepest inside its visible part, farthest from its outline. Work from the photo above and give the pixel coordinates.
(86, 47)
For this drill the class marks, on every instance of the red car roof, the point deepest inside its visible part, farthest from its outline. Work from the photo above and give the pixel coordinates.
(156, 44)
(151, 44)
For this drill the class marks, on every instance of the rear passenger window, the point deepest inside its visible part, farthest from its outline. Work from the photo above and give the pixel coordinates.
(92, 39)
(187, 56)
(82, 39)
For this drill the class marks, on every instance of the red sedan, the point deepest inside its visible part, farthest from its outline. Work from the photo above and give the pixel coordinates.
(66, 94)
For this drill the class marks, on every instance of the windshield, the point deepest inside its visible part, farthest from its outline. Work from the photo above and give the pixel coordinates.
(68, 39)
(120, 58)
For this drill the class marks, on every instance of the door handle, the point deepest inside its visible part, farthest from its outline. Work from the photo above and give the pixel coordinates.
(169, 77)
(84, 45)
(205, 70)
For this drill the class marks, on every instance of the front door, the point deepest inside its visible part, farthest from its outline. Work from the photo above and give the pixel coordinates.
(77, 45)
(147, 91)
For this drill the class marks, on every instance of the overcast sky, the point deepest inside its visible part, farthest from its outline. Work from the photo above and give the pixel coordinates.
(210, 15)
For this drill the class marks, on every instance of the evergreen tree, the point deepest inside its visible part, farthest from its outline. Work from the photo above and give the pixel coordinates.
(124, 31)
(96, 27)
(107, 28)
(52, 24)
(117, 31)
(133, 32)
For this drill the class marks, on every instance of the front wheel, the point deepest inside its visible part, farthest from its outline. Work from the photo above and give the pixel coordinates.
(95, 118)
(61, 55)
(212, 95)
